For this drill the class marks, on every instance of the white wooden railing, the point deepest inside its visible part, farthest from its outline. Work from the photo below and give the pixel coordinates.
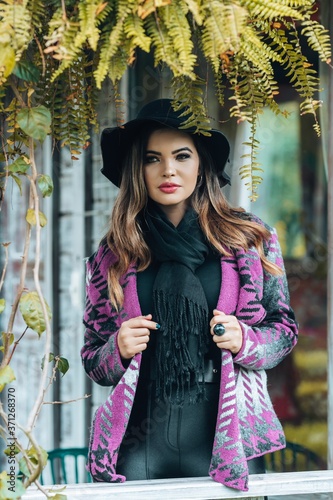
(286, 484)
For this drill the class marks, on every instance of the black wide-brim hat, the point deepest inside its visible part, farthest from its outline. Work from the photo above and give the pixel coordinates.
(116, 141)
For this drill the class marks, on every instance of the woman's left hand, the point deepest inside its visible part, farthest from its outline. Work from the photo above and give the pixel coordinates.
(232, 339)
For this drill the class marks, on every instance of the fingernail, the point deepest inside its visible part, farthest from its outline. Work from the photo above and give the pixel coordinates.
(158, 326)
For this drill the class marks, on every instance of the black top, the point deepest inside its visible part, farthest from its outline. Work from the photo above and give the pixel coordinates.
(209, 274)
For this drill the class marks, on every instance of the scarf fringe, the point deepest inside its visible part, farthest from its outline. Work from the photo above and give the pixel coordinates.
(186, 331)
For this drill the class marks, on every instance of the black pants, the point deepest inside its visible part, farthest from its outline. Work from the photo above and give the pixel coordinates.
(165, 441)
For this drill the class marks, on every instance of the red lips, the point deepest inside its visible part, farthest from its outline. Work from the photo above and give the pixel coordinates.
(168, 187)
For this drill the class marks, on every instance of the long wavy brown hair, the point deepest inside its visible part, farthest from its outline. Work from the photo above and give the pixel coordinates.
(226, 228)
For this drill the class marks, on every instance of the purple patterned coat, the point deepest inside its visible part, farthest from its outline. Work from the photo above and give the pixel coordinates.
(247, 425)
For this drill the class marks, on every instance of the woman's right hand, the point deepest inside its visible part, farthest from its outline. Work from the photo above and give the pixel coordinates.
(133, 335)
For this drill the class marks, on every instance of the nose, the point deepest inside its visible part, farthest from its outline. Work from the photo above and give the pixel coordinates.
(169, 169)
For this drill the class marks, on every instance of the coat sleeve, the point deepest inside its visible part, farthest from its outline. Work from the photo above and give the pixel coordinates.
(267, 343)
(100, 353)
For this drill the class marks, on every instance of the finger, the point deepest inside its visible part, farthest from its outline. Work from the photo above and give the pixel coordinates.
(140, 332)
(218, 316)
(142, 339)
(234, 348)
(142, 322)
(224, 319)
(217, 312)
(141, 347)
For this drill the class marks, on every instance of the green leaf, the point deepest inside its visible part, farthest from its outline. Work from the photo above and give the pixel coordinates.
(2, 305)
(7, 59)
(7, 375)
(16, 489)
(31, 218)
(12, 450)
(19, 166)
(33, 455)
(27, 71)
(63, 365)
(45, 184)
(18, 182)
(31, 310)
(34, 459)
(4, 339)
(35, 122)
(23, 467)
(51, 358)
(59, 497)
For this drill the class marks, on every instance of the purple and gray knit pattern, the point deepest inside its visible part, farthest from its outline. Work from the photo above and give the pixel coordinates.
(247, 426)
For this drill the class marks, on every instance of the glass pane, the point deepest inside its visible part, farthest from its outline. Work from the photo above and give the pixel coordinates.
(280, 196)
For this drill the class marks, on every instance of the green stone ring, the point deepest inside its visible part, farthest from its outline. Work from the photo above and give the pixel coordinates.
(219, 330)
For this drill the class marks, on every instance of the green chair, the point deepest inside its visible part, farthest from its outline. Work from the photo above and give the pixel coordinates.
(293, 458)
(66, 465)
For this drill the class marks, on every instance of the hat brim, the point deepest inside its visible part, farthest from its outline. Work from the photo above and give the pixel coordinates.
(115, 142)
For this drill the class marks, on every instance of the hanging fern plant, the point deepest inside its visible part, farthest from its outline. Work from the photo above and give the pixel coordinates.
(74, 46)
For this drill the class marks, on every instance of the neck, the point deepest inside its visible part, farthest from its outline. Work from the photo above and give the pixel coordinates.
(174, 213)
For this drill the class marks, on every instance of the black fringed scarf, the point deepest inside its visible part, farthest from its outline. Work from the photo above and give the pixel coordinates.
(179, 303)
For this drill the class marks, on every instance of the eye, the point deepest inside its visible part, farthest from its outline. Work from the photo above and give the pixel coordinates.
(183, 156)
(150, 159)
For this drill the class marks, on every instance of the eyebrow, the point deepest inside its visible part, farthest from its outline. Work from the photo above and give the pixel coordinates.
(185, 148)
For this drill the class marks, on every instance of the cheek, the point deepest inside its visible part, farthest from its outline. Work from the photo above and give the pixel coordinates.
(193, 176)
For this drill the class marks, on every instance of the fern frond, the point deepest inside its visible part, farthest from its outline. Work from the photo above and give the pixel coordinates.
(189, 94)
(270, 9)
(37, 13)
(15, 26)
(163, 46)
(113, 35)
(72, 109)
(109, 46)
(44, 89)
(134, 29)
(121, 60)
(318, 39)
(253, 89)
(179, 32)
(16, 140)
(301, 74)
(252, 171)
(194, 7)
(69, 36)
(254, 49)
(91, 14)
(303, 78)
(310, 106)
(223, 24)
(3, 92)
(60, 41)
(147, 7)
(220, 86)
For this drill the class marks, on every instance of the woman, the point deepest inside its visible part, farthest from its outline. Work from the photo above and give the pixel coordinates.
(187, 305)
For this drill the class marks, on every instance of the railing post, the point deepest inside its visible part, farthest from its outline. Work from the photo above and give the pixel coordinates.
(327, 81)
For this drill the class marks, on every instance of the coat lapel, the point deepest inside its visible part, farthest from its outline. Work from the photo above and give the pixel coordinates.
(240, 295)
(242, 286)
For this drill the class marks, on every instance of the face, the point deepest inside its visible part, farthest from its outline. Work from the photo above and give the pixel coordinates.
(171, 169)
